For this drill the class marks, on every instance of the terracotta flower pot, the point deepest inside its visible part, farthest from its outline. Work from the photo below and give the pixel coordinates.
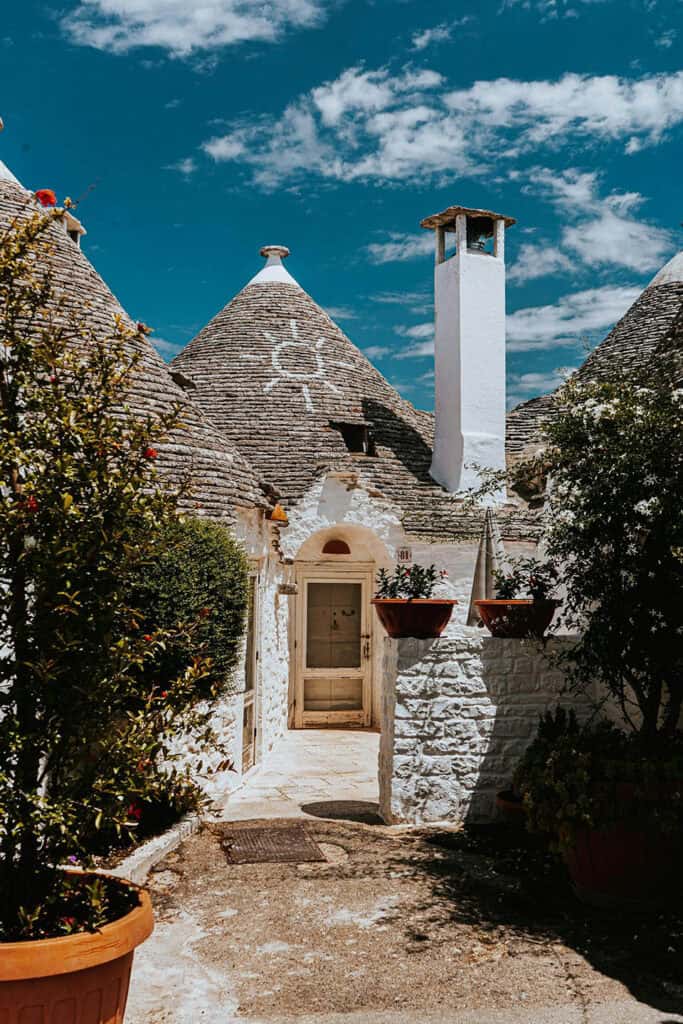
(624, 865)
(515, 619)
(421, 617)
(73, 979)
(511, 808)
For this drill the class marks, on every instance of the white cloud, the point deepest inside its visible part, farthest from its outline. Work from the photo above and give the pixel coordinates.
(377, 351)
(400, 247)
(341, 313)
(438, 33)
(612, 239)
(421, 340)
(187, 166)
(224, 147)
(572, 317)
(409, 126)
(522, 386)
(167, 349)
(533, 261)
(552, 9)
(428, 36)
(184, 28)
(666, 40)
(416, 302)
(601, 230)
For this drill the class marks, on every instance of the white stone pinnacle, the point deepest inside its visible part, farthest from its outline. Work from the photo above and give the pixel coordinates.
(6, 174)
(671, 272)
(274, 272)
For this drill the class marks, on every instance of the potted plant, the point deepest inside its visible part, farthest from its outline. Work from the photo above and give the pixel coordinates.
(87, 711)
(405, 605)
(612, 803)
(512, 615)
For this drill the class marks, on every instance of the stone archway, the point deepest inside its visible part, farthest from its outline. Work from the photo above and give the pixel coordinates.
(336, 656)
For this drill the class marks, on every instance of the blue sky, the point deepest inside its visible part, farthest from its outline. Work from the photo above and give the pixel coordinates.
(334, 126)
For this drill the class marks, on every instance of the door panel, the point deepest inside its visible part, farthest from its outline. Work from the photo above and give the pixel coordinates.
(333, 666)
(333, 625)
(333, 694)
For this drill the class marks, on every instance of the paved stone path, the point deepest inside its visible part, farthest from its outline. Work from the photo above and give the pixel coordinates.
(395, 927)
(312, 773)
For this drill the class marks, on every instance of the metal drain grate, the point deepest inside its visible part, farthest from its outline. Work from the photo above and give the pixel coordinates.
(275, 845)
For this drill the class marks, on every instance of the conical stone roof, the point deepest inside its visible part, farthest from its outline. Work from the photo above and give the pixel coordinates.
(654, 316)
(278, 377)
(220, 477)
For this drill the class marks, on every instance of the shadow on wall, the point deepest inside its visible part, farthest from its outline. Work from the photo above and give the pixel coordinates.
(462, 712)
(408, 444)
(522, 681)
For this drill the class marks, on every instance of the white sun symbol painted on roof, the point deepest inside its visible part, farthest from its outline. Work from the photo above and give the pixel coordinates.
(295, 360)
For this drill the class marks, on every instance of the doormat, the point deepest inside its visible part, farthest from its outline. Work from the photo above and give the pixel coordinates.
(271, 845)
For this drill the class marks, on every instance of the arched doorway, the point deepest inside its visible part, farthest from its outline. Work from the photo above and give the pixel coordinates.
(335, 655)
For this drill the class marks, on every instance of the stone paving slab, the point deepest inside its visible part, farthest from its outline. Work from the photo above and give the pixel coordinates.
(309, 766)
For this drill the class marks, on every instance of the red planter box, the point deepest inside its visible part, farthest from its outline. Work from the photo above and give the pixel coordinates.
(419, 617)
(516, 619)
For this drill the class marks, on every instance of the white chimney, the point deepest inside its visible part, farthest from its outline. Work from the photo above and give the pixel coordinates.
(469, 343)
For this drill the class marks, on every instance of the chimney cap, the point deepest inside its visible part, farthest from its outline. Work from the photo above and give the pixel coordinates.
(279, 251)
(446, 219)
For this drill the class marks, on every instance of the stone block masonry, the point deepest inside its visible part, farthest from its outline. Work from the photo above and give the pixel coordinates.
(457, 714)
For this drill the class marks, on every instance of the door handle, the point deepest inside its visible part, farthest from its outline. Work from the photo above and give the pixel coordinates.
(366, 648)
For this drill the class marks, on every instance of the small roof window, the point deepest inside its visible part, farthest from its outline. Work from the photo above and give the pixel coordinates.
(336, 546)
(357, 438)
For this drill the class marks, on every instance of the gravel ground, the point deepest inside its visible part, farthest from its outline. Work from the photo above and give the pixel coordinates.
(428, 921)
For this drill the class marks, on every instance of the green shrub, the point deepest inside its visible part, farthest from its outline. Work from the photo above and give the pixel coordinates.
(198, 574)
(576, 776)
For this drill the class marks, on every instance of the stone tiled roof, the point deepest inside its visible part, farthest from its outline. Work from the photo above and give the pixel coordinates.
(275, 374)
(655, 315)
(221, 478)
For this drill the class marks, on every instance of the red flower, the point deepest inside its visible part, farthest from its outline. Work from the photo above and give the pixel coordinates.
(30, 504)
(143, 328)
(150, 453)
(53, 378)
(148, 638)
(46, 197)
(135, 811)
(68, 921)
(164, 694)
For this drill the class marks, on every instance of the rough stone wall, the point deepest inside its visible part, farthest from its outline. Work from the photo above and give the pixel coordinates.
(458, 712)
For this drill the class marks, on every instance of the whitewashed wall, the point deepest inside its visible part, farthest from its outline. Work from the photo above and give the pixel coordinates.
(273, 648)
(458, 713)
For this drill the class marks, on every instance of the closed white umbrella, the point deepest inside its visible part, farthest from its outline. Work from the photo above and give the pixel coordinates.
(490, 558)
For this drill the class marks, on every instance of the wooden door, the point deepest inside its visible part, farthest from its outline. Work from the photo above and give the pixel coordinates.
(334, 678)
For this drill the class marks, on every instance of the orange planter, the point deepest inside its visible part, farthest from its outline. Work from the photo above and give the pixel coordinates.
(74, 979)
(515, 619)
(421, 617)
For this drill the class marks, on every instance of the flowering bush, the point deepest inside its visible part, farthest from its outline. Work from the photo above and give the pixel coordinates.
(613, 459)
(87, 708)
(526, 577)
(418, 581)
